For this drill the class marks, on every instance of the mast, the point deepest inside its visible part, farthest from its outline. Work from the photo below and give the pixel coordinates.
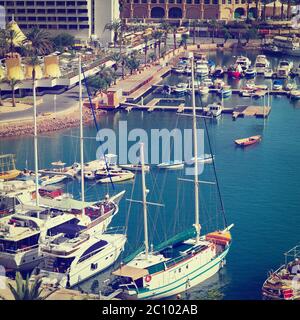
(196, 181)
(36, 164)
(145, 191)
(81, 136)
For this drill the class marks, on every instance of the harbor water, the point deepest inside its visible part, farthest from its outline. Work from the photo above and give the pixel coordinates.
(260, 186)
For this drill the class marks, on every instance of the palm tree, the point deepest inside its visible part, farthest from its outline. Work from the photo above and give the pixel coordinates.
(40, 42)
(214, 24)
(13, 83)
(184, 38)
(157, 36)
(114, 26)
(116, 58)
(26, 291)
(173, 29)
(165, 26)
(194, 25)
(132, 63)
(146, 40)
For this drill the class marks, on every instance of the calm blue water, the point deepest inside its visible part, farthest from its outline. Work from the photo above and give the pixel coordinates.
(260, 187)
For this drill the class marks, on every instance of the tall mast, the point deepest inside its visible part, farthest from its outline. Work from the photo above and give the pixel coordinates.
(196, 181)
(36, 164)
(81, 136)
(145, 191)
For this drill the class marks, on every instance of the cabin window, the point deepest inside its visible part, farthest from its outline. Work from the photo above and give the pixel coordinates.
(94, 249)
(94, 266)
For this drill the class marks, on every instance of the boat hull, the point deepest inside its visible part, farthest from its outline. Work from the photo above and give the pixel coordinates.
(188, 280)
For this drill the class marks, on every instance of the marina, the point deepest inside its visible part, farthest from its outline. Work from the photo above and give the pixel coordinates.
(183, 198)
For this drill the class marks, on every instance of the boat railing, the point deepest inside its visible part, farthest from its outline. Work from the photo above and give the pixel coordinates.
(116, 230)
(15, 251)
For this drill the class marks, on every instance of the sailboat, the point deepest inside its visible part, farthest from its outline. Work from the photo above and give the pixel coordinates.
(8, 169)
(175, 266)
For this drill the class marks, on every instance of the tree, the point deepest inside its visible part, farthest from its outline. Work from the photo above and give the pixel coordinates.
(39, 42)
(165, 26)
(26, 291)
(184, 39)
(213, 24)
(63, 40)
(227, 35)
(152, 56)
(173, 29)
(117, 59)
(194, 25)
(146, 40)
(132, 63)
(157, 36)
(114, 26)
(13, 83)
(251, 33)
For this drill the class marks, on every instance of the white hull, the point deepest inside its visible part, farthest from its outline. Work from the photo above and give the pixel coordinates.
(21, 261)
(80, 271)
(170, 282)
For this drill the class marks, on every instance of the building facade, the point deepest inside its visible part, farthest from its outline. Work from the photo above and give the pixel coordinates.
(188, 9)
(82, 18)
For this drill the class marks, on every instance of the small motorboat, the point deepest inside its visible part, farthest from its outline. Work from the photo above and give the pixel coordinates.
(124, 176)
(247, 141)
(218, 72)
(225, 92)
(243, 62)
(261, 64)
(203, 90)
(219, 83)
(214, 109)
(250, 73)
(46, 180)
(188, 70)
(176, 164)
(207, 82)
(134, 167)
(295, 94)
(268, 73)
(181, 88)
(205, 158)
(277, 85)
(246, 93)
(235, 71)
(180, 69)
(202, 70)
(289, 86)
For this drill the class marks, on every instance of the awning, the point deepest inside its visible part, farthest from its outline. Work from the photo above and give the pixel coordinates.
(131, 272)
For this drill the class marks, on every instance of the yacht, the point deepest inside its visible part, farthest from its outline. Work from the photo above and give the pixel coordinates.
(261, 64)
(181, 88)
(202, 70)
(244, 62)
(20, 235)
(250, 73)
(72, 257)
(214, 109)
(284, 69)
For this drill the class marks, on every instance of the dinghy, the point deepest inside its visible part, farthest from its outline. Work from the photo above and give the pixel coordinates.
(248, 141)
(176, 164)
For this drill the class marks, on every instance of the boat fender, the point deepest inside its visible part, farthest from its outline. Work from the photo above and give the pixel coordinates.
(148, 278)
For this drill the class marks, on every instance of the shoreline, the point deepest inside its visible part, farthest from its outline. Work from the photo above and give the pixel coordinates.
(65, 119)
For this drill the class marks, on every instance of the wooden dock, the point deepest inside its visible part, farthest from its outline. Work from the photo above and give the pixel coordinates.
(251, 111)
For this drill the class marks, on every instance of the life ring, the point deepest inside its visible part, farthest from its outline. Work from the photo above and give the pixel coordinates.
(148, 278)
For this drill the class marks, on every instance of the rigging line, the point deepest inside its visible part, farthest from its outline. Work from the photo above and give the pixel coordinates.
(95, 122)
(214, 168)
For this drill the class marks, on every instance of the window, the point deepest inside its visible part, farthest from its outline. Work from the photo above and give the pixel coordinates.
(94, 266)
